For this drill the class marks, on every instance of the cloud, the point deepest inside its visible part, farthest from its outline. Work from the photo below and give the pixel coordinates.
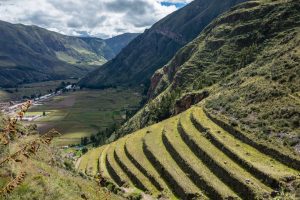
(103, 18)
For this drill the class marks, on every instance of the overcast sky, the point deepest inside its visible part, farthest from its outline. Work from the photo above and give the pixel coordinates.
(102, 18)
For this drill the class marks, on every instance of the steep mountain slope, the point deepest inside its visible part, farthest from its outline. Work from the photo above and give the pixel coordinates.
(117, 43)
(248, 62)
(155, 47)
(30, 53)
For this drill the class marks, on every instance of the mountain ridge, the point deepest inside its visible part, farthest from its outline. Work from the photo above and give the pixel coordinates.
(156, 46)
(35, 54)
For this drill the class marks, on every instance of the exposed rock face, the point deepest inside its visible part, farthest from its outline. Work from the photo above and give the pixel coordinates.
(155, 80)
(164, 76)
(188, 100)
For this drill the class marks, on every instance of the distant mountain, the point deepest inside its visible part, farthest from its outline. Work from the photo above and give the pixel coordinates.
(155, 47)
(31, 54)
(118, 42)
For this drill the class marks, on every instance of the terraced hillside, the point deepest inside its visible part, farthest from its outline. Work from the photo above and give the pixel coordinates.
(195, 156)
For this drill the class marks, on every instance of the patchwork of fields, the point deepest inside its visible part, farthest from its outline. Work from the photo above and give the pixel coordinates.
(83, 113)
(194, 156)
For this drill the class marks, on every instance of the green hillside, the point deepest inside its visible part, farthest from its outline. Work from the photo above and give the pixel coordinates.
(247, 63)
(33, 54)
(155, 47)
(49, 176)
(189, 156)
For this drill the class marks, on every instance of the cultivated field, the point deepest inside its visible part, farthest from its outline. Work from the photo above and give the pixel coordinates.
(83, 113)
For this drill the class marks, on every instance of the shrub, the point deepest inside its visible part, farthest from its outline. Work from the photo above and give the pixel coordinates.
(68, 165)
(84, 150)
(135, 196)
(13, 132)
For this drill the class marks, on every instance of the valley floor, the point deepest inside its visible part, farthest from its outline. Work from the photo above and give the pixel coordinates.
(84, 113)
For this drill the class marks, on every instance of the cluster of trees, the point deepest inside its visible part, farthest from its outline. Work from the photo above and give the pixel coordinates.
(165, 110)
(101, 137)
(62, 86)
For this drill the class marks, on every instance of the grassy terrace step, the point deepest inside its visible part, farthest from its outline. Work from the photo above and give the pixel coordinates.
(260, 165)
(176, 179)
(134, 151)
(191, 165)
(237, 178)
(114, 170)
(83, 162)
(102, 163)
(279, 155)
(92, 164)
(136, 177)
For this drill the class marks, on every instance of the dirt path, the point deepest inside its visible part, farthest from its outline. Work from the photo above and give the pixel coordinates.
(77, 163)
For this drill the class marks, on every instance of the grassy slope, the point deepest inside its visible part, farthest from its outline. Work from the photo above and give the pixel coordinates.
(34, 54)
(248, 60)
(51, 181)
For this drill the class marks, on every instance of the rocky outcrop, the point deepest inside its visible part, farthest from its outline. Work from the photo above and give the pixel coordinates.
(188, 100)
(154, 82)
(164, 76)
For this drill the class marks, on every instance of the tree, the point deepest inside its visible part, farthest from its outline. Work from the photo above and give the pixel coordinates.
(93, 138)
(84, 150)
(84, 141)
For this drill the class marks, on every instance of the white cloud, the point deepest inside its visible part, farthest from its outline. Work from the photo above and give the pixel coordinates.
(102, 18)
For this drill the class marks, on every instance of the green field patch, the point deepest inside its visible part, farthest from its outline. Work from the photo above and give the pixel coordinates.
(76, 135)
(84, 113)
(51, 115)
(33, 113)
